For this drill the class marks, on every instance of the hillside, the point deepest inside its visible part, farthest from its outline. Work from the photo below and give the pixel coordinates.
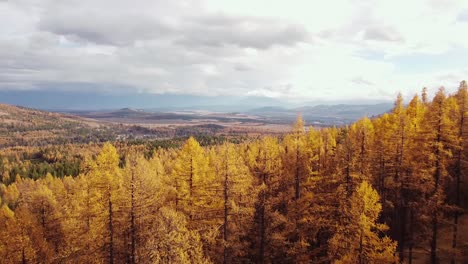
(24, 117)
(26, 126)
(20, 126)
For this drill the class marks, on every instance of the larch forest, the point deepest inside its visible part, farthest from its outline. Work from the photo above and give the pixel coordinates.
(381, 190)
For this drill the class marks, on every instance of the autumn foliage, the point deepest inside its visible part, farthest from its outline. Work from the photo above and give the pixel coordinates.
(375, 191)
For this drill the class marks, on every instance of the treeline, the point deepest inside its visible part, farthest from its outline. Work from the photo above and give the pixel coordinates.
(67, 159)
(12, 135)
(378, 191)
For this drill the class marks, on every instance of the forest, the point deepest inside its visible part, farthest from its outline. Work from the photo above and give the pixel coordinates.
(381, 190)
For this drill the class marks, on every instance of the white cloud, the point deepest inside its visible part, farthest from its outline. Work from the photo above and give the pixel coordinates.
(297, 50)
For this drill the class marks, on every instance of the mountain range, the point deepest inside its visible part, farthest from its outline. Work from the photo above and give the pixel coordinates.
(55, 100)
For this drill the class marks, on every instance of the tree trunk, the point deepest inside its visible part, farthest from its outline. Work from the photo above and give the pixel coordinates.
(437, 151)
(458, 172)
(23, 257)
(132, 220)
(262, 224)
(436, 188)
(191, 188)
(363, 151)
(411, 243)
(111, 230)
(402, 198)
(434, 240)
(348, 172)
(226, 211)
(298, 178)
(360, 247)
(402, 243)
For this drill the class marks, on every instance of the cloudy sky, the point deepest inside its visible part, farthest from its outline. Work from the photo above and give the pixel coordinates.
(296, 50)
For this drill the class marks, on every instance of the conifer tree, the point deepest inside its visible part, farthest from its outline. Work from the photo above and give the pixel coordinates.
(358, 239)
(106, 177)
(196, 191)
(17, 247)
(146, 190)
(190, 175)
(460, 155)
(440, 134)
(362, 132)
(172, 241)
(414, 184)
(238, 194)
(295, 159)
(381, 148)
(264, 161)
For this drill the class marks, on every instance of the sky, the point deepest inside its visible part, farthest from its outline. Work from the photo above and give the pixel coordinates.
(297, 50)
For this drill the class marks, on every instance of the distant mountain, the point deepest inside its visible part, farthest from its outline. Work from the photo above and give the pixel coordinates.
(134, 116)
(345, 110)
(269, 109)
(128, 109)
(326, 114)
(260, 101)
(347, 102)
(56, 100)
(63, 100)
(322, 115)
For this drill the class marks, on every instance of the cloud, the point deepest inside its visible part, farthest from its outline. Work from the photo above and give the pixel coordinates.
(108, 22)
(246, 32)
(102, 30)
(242, 67)
(361, 81)
(463, 16)
(279, 49)
(382, 34)
(278, 91)
(124, 26)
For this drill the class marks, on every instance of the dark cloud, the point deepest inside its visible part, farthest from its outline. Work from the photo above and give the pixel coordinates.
(242, 67)
(143, 46)
(102, 28)
(125, 25)
(245, 32)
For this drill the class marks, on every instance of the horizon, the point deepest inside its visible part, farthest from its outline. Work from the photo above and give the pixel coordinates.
(76, 101)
